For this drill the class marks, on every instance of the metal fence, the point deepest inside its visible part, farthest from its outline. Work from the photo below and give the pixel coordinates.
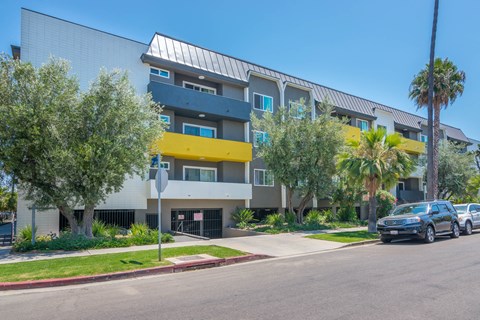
(210, 225)
(121, 218)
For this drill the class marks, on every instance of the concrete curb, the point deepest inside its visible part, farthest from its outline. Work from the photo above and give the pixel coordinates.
(194, 265)
(361, 243)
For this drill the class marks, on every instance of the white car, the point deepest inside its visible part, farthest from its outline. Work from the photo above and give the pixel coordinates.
(468, 216)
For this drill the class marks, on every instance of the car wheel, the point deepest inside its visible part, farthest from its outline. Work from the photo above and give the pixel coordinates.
(385, 239)
(468, 228)
(429, 235)
(455, 231)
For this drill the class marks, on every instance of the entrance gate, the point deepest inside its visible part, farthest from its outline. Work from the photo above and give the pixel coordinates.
(201, 222)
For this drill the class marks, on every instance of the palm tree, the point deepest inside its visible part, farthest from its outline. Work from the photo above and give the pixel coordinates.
(374, 161)
(448, 84)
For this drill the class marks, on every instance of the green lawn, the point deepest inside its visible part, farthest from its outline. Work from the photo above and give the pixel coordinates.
(345, 237)
(105, 263)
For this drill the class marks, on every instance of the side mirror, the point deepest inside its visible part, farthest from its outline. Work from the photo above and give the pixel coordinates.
(435, 212)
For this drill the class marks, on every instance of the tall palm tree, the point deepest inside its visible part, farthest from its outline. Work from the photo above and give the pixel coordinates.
(448, 84)
(374, 161)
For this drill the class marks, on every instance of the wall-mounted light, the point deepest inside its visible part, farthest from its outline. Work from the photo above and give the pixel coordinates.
(201, 115)
(201, 77)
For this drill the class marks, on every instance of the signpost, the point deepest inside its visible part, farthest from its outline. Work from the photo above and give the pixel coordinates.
(161, 181)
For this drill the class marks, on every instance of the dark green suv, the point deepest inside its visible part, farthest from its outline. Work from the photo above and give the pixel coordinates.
(423, 220)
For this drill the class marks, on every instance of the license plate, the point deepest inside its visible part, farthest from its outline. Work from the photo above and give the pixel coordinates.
(394, 232)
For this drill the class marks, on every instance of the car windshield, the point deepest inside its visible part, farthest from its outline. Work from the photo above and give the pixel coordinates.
(461, 209)
(410, 209)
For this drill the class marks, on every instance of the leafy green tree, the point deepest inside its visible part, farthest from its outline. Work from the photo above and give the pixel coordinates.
(448, 84)
(347, 193)
(455, 171)
(374, 161)
(301, 152)
(69, 148)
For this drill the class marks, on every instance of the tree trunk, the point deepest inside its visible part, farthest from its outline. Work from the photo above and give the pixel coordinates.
(289, 200)
(67, 212)
(88, 220)
(436, 140)
(372, 212)
(301, 207)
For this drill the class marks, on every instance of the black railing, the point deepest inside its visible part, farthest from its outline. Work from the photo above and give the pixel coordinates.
(121, 218)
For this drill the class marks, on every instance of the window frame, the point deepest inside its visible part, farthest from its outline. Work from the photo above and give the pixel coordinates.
(264, 171)
(401, 183)
(200, 86)
(366, 121)
(262, 96)
(200, 168)
(164, 116)
(199, 126)
(423, 136)
(299, 107)
(160, 72)
(165, 163)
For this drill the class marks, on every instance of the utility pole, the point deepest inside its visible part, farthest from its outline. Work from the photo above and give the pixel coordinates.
(430, 143)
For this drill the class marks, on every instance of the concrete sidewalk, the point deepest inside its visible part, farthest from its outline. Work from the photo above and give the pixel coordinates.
(279, 245)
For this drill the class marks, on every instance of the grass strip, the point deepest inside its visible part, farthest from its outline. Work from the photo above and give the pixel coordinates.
(345, 237)
(104, 263)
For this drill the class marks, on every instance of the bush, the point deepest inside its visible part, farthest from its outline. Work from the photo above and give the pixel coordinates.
(139, 229)
(347, 214)
(242, 217)
(275, 220)
(329, 216)
(112, 231)
(99, 229)
(26, 233)
(385, 202)
(290, 218)
(314, 218)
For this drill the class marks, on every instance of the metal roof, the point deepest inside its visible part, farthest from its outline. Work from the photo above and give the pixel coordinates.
(173, 50)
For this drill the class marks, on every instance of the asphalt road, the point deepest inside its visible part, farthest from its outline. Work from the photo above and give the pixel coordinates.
(408, 280)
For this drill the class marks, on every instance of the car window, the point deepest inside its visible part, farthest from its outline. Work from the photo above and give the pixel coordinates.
(462, 208)
(443, 208)
(435, 208)
(410, 209)
(450, 207)
(476, 207)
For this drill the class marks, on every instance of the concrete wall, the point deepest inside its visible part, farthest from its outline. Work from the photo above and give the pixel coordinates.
(231, 130)
(47, 221)
(87, 49)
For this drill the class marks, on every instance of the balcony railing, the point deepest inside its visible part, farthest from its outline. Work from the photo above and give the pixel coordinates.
(184, 146)
(412, 146)
(187, 100)
(352, 133)
(177, 189)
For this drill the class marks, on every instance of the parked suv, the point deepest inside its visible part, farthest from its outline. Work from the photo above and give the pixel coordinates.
(468, 216)
(423, 220)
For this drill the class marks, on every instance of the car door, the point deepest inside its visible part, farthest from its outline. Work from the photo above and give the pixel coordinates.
(437, 218)
(475, 211)
(445, 217)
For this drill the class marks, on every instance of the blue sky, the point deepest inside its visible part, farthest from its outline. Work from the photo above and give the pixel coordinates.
(369, 48)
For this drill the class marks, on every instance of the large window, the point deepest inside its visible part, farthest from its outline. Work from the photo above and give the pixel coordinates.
(165, 118)
(199, 174)
(263, 177)
(362, 124)
(201, 131)
(199, 87)
(259, 138)
(160, 72)
(424, 138)
(262, 102)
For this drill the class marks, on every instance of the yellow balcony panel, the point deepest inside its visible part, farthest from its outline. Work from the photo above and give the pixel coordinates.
(412, 146)
(352, 133)
(184, 146)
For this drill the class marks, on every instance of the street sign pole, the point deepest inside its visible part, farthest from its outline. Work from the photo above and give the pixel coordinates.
(159, 190)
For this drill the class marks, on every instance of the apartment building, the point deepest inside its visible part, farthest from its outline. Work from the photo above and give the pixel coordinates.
(209, 149)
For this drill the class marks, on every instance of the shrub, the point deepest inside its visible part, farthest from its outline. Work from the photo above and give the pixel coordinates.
(290, 218)
(242, 217)
(385, 202)
(347, 214)
(139, 229)
(99, 229)
(275, 220)
(25, 234)
(314, 218)
(329, 216)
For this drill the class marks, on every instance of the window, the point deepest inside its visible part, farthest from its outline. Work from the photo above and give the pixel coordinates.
(259, 137)
(165, 118)
(362, 124)
(160, 72)
(165, 165)
(379, 126)
(263, 178)
(201, 131)
(199, 174)
(424, 138)
(297, 109)
(401, 186)
(262, 102)
(198, 87)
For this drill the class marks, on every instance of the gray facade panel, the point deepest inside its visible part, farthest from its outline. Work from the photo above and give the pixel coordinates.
(231, 130)
(233, 172)
(296, 95)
